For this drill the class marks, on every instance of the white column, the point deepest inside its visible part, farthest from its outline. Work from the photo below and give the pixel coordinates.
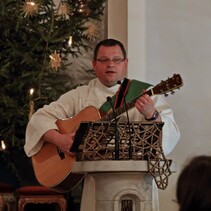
(117, 20)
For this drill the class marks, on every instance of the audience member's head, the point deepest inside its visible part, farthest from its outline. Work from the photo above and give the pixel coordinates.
(194, 185)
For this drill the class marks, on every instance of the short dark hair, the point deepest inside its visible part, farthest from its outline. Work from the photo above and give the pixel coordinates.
(109, 42)
(194, 185)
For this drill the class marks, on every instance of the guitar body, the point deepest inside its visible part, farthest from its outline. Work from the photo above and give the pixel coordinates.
(52, 171)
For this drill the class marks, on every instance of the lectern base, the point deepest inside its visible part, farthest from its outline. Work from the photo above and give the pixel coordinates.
(111, 188)
(116, 191)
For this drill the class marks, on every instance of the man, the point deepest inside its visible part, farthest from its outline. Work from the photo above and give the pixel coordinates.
(110, 65)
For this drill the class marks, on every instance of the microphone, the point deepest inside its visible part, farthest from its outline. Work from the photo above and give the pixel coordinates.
(128, 120)
(116, 129)
(125, 104)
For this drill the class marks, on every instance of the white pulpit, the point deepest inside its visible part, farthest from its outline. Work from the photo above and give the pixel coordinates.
(121, 173)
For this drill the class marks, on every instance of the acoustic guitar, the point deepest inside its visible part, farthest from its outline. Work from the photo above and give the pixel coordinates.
(55, 172)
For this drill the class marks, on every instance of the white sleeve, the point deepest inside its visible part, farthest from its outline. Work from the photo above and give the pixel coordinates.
(45, 118)
(170, 131)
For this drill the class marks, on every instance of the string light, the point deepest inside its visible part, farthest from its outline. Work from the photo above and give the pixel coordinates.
(52, 58)
(3, 146)
(31, 91)
(31, 102)
(70, 41)
(31, 3)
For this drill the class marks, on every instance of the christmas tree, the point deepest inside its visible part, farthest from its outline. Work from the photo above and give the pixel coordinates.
(39, 39)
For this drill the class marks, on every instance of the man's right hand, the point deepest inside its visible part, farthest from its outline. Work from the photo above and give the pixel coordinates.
(62, 141)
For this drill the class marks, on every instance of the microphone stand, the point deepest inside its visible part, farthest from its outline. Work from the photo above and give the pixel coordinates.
(117, 138)
(130, 150)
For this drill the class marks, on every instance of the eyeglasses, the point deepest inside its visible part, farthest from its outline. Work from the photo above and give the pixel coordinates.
(106, 60)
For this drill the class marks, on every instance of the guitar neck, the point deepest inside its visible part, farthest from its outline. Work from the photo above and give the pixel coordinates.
(119, 111)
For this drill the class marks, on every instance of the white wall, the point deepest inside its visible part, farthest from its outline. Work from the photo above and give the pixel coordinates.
(166, 37)
(179, 40)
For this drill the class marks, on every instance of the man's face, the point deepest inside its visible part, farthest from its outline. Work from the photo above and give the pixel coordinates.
(110, 65)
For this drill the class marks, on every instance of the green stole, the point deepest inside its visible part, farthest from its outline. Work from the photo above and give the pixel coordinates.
(135, 90)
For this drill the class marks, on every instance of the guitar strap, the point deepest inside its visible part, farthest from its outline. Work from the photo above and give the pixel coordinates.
(133, 90)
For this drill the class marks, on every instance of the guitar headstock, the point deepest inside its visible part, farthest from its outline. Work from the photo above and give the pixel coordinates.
(169, 85)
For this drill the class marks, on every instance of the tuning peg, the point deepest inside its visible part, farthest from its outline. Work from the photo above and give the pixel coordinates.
(166, 95)
(172, 92)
